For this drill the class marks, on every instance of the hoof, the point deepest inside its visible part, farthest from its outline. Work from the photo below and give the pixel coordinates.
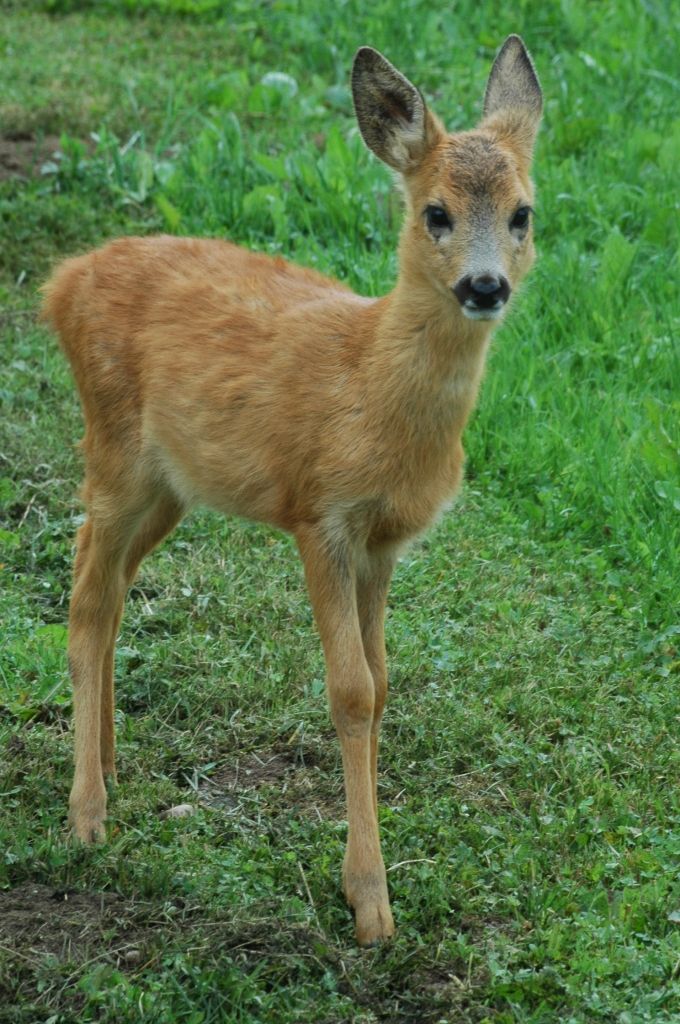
(374, 924)
(87, 814)
(367, 895)
(88, 832)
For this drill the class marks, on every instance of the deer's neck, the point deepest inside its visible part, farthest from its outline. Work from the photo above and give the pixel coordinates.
(428, 359)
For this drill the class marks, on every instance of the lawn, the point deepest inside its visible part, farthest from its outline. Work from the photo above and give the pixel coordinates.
(529, 787)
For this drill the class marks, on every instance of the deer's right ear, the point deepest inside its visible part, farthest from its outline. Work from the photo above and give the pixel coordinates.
(393, 119)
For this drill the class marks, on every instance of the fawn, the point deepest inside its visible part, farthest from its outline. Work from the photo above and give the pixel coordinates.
(211, 374)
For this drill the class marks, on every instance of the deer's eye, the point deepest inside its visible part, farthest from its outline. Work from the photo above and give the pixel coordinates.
(520, 219)
(438, 220)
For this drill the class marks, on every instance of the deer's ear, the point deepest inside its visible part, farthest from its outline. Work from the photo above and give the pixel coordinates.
(393, 119)
(513, 100)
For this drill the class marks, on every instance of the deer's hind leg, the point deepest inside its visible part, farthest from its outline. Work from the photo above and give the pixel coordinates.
(373, 583)
(158, 522)
(105, 548)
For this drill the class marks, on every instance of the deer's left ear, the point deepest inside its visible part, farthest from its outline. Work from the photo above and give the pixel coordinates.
(513, 101)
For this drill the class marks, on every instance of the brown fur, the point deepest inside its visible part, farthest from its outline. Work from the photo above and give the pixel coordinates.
(210, 374)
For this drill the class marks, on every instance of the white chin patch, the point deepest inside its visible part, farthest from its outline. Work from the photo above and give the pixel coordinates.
(474, 313)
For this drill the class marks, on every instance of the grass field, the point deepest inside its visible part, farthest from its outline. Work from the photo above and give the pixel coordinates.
(530, 760)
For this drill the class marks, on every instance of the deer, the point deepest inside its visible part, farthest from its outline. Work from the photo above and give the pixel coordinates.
(209, 374)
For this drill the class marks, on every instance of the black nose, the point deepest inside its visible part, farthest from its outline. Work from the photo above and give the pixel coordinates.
(484, 291)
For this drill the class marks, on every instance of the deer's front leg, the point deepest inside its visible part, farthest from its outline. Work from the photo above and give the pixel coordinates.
(331, 580)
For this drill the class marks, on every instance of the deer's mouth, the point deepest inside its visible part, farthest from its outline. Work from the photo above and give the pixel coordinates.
(474, 312)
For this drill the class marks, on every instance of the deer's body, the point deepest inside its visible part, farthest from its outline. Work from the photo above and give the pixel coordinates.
(212, 375)
(286, 406)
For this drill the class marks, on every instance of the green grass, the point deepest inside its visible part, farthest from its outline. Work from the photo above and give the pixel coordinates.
(530, 757)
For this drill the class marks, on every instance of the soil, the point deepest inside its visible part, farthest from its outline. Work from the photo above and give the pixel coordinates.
(56, 934)
(304, 784)
(22, 155)
(38, 921)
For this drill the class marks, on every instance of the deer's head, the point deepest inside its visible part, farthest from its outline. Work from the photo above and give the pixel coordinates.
(469, 197)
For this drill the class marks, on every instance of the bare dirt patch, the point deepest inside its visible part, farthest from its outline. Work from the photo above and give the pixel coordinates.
(430, 992)
(306, 780)
(51, 937)
(38, 921)
(22, 156)
(251, 771)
